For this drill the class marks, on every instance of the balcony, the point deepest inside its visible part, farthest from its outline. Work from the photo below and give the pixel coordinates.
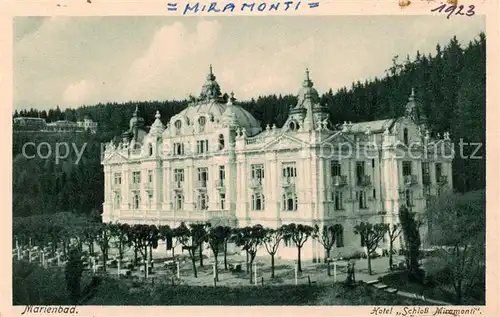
(201, 184)
(426, 179)
(255, 183)
(442, 179)
(410, 180)
(288, 182)
(178, 186)
(148, 186)
(339, 180)
(364, 180)
(220, 183)
(135, 185)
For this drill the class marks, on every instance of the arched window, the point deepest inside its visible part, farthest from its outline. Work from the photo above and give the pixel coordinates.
(150, 149)
(290, 202)
(405, 136)
(179, 201)
(257, 201)
(221, 142)
(292, 126)
(339, 237)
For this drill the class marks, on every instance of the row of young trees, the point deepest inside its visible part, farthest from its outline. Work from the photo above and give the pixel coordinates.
(63, 229)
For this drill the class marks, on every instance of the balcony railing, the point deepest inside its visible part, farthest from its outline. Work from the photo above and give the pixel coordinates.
(364, 180)
(255, 183)
(410, 180)
(201, 184)
(220, 183)
(287, 182)
(148, 186)
(135, 185)
(442, 179)
(339, 180)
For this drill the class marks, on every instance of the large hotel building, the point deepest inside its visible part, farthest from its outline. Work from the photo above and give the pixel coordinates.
(214, 162)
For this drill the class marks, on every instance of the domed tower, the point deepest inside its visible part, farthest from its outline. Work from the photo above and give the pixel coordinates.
(136, 129)
(413, 111)
(211, 89)
(308, 112)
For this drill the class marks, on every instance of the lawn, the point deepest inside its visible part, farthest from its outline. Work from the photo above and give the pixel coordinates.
(33, 285)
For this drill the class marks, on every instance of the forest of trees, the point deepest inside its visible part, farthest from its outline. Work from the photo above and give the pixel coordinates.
(450, 86)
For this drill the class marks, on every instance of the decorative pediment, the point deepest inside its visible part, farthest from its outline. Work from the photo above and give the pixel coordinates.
(285, 142)
(337, 138)
(115, 158)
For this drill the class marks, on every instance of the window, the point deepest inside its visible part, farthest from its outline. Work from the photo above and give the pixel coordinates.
(117, 200)
(258, 172)
(178, 149)
(202, 173)
(118, 178)
(179, 201)
(405, 136)
(361, 199)
(222, 174)
(425, 168)
(339, 237)
(338, 199)
(287, 242)
(409, 198)
(150, 149)
(438, 171)
(335, 166)
(178, 126)
(221, 142)
(201, 202)
(257, 201)
(373, 163)
(150, 176)
(136, 177)
(362, 239)
(201, 146)
(360, 169)
(150, 201)
(222, 201)
(178, 175)
(201, 123)
(406, 168)
(137, 200)
(290, 202)
(374, 194)
(293, 126)
(289, 170)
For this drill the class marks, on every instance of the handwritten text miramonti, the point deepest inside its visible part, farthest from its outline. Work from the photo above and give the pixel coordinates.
(221, 7)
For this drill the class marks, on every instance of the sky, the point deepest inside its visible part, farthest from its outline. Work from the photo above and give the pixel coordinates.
(72, 61)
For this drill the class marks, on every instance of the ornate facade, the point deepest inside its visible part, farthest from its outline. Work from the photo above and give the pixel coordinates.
(214, 162)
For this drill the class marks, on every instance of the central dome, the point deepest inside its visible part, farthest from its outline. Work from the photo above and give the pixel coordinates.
(212, 103)
(216, 109)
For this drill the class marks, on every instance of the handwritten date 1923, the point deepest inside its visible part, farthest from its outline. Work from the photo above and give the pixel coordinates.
(450, 9)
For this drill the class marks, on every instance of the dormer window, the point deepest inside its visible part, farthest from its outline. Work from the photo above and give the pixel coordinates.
(405, 136)
(293, 126)
(178, 126)
(201, 122)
